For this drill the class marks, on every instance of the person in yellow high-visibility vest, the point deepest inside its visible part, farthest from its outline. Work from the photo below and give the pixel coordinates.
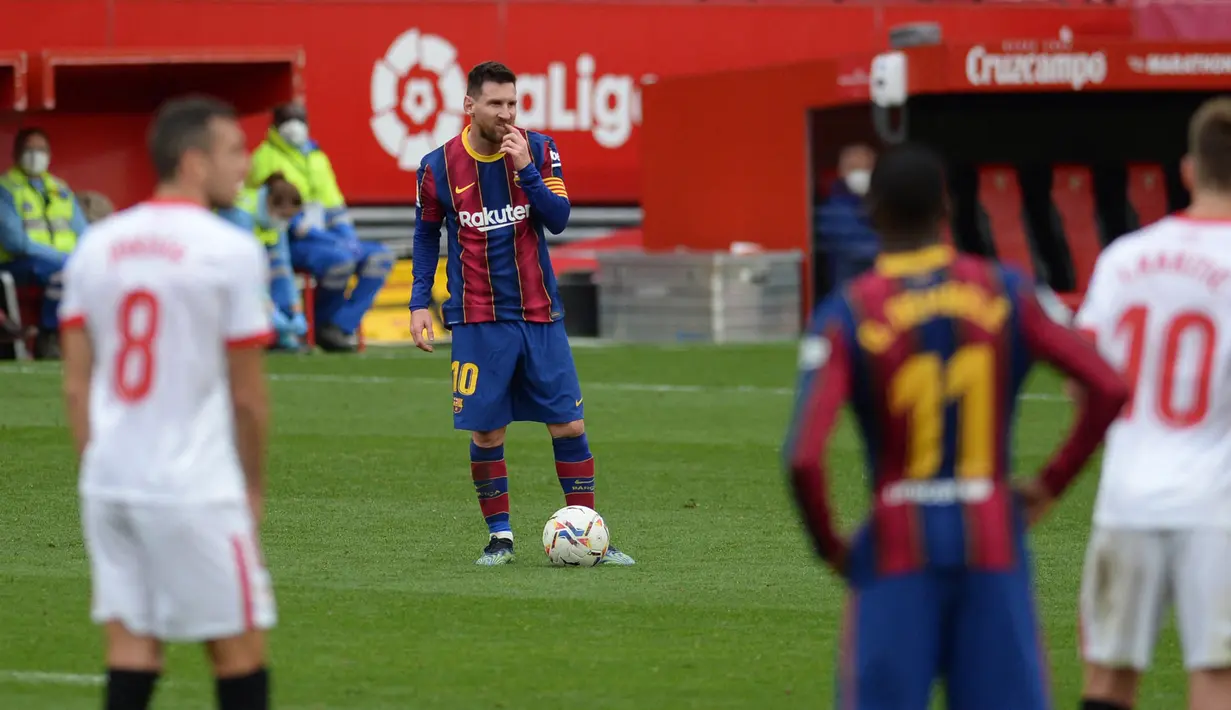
(323, 241)
(288, 149)
(40, 223)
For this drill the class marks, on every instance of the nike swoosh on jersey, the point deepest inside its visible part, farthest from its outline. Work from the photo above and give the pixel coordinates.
(460, 190)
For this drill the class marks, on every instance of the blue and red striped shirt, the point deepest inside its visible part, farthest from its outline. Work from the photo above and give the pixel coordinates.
(498, 266)
(931, 350)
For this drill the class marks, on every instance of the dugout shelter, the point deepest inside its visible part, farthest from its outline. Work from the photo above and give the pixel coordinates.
(96, 106)
(1055, 146)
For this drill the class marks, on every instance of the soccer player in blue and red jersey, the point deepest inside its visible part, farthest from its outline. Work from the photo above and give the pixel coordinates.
(497, 187)
(931, 350)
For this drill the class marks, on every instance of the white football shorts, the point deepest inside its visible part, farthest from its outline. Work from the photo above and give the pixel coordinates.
(1133, 577)
(177, 572)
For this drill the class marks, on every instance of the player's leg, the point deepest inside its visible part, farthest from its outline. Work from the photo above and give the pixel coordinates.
(1201, 588)
(211, 586)
(890, 644)
(1124, 594)
(550, 392)
(118, 602)
(332, 266)
(375, 263)
(996, 655)
(485, 357)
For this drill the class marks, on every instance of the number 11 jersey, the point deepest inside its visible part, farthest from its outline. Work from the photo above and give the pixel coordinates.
(164, 289)
(1159, 309)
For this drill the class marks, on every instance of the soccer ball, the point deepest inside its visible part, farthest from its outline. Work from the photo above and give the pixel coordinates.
(575, 536)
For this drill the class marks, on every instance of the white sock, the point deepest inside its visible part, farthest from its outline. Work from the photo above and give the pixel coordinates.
(505, 535)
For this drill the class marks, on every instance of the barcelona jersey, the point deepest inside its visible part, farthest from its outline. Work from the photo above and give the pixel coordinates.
(495, 218)
(931, 350)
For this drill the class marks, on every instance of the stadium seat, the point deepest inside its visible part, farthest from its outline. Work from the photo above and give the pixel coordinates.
(12, 307)
(1000, 197)
(307, 288)
(1072, 195)
(1147, 193)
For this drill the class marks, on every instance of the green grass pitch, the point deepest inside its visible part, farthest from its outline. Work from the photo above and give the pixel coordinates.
(372, 530)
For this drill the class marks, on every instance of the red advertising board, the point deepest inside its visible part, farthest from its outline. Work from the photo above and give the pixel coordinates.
(1056, 65)
(383, 80)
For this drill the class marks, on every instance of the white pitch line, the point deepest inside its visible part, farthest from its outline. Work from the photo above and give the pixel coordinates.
(616, 386)
(43, 678)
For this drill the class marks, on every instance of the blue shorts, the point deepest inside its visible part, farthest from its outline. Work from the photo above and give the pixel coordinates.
(512, 371)
(978, 631)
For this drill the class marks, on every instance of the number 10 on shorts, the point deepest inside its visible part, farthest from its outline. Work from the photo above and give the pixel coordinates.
(465, 377)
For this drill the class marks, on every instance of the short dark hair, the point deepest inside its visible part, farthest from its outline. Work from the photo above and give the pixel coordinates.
(282, 191)
(289, 110)
(907, 191)
(182, 125)
(494, 72)
(1209, 143)
(23, 136)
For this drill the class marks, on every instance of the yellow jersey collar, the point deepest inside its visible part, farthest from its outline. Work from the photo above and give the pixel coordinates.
(917, 261)
(476, 154)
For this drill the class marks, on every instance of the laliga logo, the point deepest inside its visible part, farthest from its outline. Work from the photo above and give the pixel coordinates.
(404, 100)
(417, 99)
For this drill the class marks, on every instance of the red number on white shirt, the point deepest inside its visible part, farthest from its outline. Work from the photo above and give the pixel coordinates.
(1188, 325)
(134, 362)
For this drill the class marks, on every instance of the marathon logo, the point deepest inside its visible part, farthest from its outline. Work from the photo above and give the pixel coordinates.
(1072, 69)
(487, 220)
(1182, 64)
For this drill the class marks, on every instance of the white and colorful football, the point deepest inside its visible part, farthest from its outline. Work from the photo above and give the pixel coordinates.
(575, 536)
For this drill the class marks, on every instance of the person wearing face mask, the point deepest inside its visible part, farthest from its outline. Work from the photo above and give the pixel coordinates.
(844, 236)
(40, 223)
(288, 149)
(266, 212)
(323, 239)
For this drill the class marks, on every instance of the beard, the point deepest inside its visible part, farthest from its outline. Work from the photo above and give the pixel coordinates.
(494, 134)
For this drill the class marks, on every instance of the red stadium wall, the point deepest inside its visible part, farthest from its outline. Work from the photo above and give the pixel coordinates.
(548, 43)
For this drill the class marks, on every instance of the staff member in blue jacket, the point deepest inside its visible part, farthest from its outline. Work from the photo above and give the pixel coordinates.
(266, 212)
(844, 234)
(40, 223)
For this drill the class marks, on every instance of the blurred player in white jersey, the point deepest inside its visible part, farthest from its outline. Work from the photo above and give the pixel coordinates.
(164, 324)
(1159, 306)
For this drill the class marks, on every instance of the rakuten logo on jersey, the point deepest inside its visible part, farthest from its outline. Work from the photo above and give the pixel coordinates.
(605, 105)
(487, 220)
(1072, 69)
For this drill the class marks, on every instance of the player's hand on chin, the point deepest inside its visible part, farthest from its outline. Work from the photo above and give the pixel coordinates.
(514, 145)
(421, 329)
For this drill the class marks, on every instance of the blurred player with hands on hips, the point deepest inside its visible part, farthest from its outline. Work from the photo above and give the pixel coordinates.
(496, 188)
(931, 349)
(165, 322)
(1159, 306)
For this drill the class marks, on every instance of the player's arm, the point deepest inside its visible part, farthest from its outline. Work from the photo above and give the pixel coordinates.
(823, 388)
(1106, 391)
(429, 216)
(248, 331)
(77, 354)
(542, 179)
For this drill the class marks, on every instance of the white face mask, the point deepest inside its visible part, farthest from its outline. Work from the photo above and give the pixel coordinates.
(858, 181)
(294, 132)
(35, 162)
